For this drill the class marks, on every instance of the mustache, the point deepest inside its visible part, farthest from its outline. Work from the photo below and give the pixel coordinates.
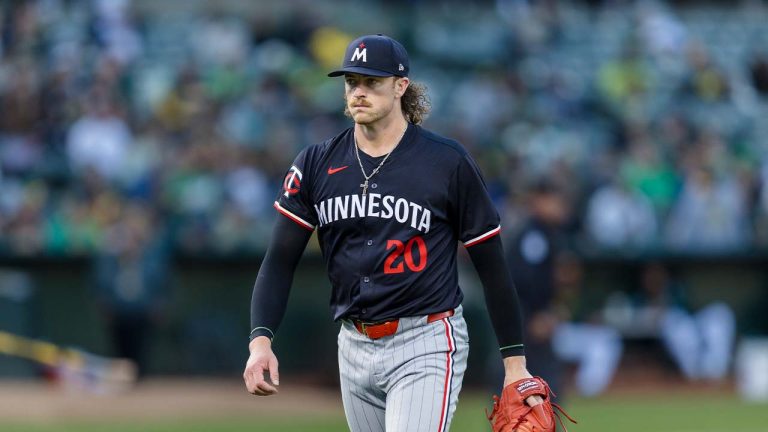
(359, 102)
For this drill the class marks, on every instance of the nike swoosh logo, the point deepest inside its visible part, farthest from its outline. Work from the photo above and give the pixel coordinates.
(332, 171)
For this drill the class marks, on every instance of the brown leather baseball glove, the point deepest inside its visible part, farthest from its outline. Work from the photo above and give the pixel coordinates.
(512, 414)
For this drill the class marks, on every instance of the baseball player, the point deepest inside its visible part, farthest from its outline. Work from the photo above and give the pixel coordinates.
(389, 200)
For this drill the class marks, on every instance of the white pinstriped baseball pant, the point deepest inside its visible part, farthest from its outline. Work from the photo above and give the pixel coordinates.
(406, 382)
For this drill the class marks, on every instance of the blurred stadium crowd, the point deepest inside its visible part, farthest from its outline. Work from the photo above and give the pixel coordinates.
(124, 117)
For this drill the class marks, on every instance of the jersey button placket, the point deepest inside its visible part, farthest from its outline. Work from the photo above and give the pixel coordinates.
(367, 262)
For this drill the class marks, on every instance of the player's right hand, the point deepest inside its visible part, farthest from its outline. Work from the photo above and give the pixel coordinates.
(261, 362)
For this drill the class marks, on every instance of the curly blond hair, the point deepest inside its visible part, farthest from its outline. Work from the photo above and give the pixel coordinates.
(415, 103)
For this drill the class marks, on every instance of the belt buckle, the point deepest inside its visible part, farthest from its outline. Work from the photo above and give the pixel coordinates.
(362, 326)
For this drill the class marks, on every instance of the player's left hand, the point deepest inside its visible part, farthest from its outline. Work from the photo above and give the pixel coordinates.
(513, 413)
(515, 370)
(531, 400)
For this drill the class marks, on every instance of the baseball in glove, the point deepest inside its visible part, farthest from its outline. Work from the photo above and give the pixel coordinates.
(512, 414)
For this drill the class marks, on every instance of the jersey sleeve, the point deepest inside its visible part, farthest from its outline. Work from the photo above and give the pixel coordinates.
(475, 217)
(294, 200)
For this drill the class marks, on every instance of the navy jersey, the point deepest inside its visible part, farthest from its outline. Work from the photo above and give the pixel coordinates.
(391, 252)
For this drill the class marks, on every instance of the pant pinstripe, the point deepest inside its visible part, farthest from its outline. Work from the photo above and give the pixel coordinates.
(407, 382)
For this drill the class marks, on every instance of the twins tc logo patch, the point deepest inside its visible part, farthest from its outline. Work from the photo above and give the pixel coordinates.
(292, 182)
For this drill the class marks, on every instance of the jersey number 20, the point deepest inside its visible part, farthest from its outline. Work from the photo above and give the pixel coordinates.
(406, 250)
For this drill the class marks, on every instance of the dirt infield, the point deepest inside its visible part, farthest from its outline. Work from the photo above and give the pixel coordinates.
(157, 399)
(172, 399)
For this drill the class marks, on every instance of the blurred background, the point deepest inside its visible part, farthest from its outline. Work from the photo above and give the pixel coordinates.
(625, 144)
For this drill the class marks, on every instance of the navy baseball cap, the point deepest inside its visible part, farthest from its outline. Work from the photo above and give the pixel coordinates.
(376, 55)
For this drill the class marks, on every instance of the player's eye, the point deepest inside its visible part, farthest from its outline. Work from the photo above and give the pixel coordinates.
(350, 82)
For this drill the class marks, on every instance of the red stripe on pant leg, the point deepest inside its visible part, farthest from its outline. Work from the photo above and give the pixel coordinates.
(443, 412)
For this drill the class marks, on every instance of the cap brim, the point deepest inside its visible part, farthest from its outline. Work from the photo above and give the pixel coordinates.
(361, 71)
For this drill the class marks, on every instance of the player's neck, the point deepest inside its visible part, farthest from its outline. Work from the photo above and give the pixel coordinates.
(382, 137)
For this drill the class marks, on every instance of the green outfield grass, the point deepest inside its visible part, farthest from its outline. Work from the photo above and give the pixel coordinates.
(616, 414)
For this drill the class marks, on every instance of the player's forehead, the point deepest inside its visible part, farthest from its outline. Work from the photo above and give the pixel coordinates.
(357, 76)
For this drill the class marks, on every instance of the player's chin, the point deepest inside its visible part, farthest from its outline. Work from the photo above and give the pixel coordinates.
(363, 118)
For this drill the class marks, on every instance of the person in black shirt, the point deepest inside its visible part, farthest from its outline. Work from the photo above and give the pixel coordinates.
(533, 259)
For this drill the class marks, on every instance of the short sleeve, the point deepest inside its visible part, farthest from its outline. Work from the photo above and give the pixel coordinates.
(475, 218)
(294, 199)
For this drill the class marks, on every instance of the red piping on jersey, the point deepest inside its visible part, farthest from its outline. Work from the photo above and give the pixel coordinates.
(293, 217)
(448, 377)
(479, 239)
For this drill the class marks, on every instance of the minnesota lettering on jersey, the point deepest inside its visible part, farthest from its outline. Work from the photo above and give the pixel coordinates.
(374, 205)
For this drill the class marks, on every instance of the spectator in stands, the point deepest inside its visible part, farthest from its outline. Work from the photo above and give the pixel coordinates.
(618, 217)
(625, 82)
(25, 227)
(70, 228)
(646, 171)
(20, 147)
(58, 107)
(706, 82)
(758, 70)
(662, 32)
(711, 213)
(115, 31)
(23, 30)
(100, 139)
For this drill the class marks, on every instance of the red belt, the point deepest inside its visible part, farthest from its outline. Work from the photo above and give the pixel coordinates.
(388, 328)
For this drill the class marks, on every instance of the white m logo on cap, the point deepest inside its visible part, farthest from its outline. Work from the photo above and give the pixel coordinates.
(360, 54)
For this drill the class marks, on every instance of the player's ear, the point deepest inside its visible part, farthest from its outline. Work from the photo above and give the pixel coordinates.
(401, 85)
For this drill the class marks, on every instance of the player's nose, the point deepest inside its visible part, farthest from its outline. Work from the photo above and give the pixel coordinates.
(358, 92)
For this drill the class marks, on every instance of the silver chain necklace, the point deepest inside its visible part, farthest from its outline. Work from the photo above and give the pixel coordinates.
(373, 173)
